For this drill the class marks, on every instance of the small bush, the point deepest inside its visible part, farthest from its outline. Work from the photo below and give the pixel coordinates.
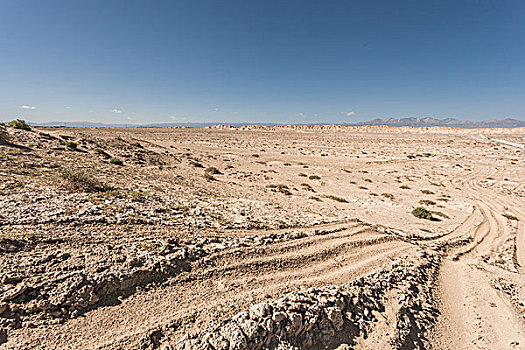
(404, 187)
(80, 181)
(303, 175)
(314, 177)
(388, 195)
(315, 198)
(19, 124)
(427, 192)
(71, 144)
(427, 202)
(422, 213)
(116, 161)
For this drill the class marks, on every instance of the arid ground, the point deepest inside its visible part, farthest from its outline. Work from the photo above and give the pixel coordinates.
(175, 238)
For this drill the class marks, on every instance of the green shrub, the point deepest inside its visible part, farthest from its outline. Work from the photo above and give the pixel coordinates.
(422, 213)
(19, 124)
(71, 144)
(116, 161)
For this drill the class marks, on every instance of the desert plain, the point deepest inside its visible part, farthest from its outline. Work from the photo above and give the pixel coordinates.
(262, 238)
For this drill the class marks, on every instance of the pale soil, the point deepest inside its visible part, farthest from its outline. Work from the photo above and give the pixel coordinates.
(201, 251)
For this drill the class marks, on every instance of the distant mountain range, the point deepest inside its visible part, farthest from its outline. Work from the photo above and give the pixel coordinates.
(415, 122)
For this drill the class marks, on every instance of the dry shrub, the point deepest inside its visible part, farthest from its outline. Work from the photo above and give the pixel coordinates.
(80, 181)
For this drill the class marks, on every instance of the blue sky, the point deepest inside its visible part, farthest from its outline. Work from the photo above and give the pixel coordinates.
(261, 61)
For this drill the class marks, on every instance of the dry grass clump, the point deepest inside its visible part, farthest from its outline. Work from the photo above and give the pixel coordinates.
(337, 199)
(196, 164)
(210, 171)
(307, 187)
(404, 187)
(314, 177)
(510, 217)
(116, 161)
(284, 189)
(80, 181)
(388, 195)
(427, 192)
(427, 202)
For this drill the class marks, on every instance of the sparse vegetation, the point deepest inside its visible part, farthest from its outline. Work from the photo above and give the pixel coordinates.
(315, 198)
(404, 187)
(71, 144)
(19, 124)
(314, 177)
(427, 202)
(388, 195)
(427, 192)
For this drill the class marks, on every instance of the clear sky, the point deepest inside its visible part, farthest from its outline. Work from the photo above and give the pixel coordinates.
(261, 61)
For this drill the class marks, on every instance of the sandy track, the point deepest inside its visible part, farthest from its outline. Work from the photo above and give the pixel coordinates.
(474, 313)
(236, 281)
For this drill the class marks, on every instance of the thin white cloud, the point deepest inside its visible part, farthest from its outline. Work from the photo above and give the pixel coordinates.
(178, 119)
(27, 107)
(118, 111)
(300, 114)
(67, 107)
(350, 113)
(216, 109)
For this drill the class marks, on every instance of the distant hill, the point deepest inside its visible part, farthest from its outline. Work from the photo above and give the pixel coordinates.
(426, 122)
(413, 122)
